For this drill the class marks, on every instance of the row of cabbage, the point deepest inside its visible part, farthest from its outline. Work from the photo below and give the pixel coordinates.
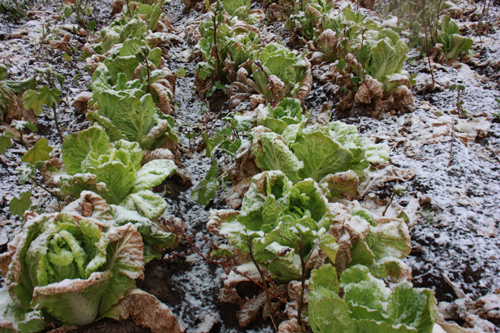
(365, 55)
(80, 265)
(299, 224)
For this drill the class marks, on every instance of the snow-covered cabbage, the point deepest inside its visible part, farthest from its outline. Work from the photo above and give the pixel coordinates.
(72, 266)
(116, 175)
(308, 16)
(118, 31)
(453, 42)
(286, 112)
(276, 216)
(286, 65)
(125, 111)
(242, 10)
(366, 304)
(377, 243)
(236, 40)
(302, 153)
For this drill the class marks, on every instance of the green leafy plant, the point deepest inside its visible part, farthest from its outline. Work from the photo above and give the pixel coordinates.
(278, 215)
(307, 16)
(227, 141)
(366, 304)
(302, 153)
(47, 95)
(221, 43)
(286, 69)
(242, 10)
(287, 112)
(126, 111)
(69, 268)
(453, 42)
(90, 164)
(119, 31)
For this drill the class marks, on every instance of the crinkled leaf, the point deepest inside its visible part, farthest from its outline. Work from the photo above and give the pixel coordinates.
(146, 203)
(271, 153)
(323, 156)
(78, 145)
(153, 173)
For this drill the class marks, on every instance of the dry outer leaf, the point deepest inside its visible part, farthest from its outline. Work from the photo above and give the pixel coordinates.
(161, 89)
(373, 179)
(147, 311)
(369, 89)
(81, 100)
(290, 326)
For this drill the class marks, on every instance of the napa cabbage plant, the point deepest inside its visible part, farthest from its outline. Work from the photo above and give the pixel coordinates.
(116, 174)
(235, 42)
(286, 65)
(125, 111)
(366, 304)
(127, 58)
(242, 10)
(453, 42)
(69, 267)
(308, 16)
(280, 224)
(119, 31)
(287, 112)
(306, 152)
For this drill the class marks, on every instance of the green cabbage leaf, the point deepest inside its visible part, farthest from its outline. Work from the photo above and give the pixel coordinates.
(367, 304)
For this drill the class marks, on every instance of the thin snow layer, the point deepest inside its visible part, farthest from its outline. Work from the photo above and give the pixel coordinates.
(462, 182)
(201, 282)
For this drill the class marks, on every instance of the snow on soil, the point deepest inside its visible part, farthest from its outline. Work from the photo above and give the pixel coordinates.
(462, 182)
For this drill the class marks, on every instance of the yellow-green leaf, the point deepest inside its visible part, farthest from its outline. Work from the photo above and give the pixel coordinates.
(40, 152)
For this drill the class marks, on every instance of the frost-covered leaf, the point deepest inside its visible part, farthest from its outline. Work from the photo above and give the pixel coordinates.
(368, 305)
(77, 146)
(153, 173)
(17, 319)
(323, 156)
(146, 203)
(272, 153)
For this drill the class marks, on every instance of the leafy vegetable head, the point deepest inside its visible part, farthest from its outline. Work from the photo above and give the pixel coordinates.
(287, 112)
(287, 65)
(275, 218)
(315, 153)
(114, 173)
(367, 304)
(453, 42)
(119, 31)
(127, 112)
(73, 267)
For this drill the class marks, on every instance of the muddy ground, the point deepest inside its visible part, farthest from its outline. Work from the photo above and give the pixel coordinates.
(457, 184)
